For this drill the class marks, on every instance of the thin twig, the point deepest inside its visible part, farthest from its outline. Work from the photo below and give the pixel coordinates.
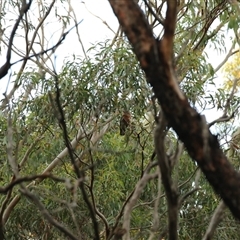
(28, 179)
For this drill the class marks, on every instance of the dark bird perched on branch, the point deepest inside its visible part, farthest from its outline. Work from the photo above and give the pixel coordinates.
(124, 122)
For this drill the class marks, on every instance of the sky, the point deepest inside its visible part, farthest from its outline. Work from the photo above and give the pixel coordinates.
(92, 29)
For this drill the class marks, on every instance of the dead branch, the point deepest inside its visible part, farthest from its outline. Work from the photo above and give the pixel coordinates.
(28, 179)
(4, 69)
(53, 48)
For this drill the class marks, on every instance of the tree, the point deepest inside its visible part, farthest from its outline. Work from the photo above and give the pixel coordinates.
(156, 59)
(69, 173)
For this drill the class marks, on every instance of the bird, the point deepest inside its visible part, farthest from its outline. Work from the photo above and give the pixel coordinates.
(125, 122)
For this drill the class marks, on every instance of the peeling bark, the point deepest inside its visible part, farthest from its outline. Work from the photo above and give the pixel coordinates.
(155, 58)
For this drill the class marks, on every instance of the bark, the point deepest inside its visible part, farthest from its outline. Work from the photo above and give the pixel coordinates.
(155, 57)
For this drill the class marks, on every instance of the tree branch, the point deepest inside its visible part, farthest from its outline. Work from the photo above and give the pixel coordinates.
(4, 69)
(47, 215)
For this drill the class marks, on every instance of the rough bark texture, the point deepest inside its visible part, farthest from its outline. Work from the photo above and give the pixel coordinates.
(155, 58)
